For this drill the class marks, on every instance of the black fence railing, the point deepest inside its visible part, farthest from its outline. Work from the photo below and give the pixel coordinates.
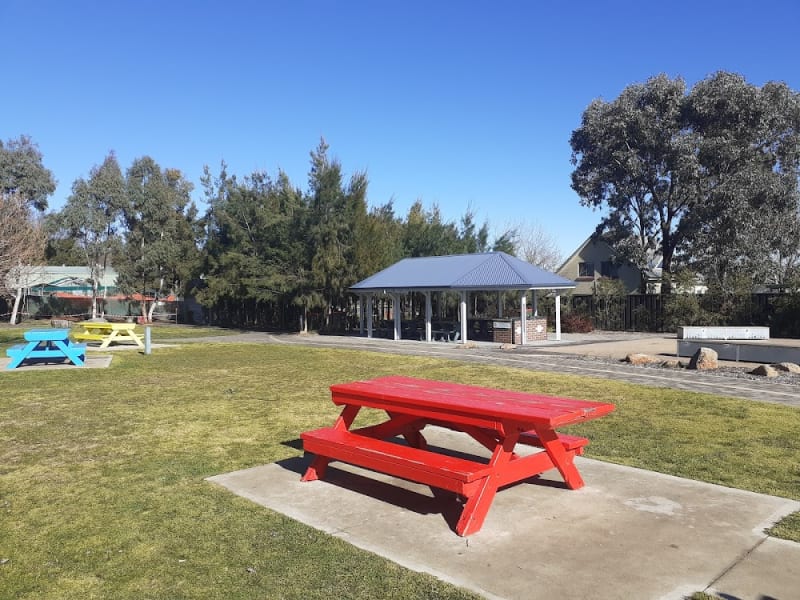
(657, 313)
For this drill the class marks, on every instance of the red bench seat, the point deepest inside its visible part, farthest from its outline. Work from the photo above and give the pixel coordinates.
(421, 466)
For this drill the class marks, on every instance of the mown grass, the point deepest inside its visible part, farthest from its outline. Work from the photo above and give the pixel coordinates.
(102, 490)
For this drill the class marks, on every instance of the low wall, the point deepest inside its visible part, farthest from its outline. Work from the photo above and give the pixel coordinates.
(508, 331)
(694, 332)
(742, 351)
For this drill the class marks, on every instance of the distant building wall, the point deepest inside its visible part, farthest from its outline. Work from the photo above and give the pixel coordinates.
(593, 261)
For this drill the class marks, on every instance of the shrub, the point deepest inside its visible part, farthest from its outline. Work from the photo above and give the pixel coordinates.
(785, 318)
(576, 323)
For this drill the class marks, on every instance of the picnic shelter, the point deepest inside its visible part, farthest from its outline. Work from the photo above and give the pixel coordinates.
(462, 274)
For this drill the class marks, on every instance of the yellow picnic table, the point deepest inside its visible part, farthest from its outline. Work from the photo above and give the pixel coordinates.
(108, 333)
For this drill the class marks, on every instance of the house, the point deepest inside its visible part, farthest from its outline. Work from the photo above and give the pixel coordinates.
(594, 260)
(46, 290)
(41, 280)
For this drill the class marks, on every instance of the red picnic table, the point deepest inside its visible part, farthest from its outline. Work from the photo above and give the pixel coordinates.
(497, 419)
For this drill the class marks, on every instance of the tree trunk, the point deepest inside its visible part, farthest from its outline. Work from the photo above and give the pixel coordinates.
(15, 309)
(94, 298)
(150, 312)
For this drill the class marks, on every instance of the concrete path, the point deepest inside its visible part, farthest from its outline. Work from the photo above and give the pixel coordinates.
(627, 534)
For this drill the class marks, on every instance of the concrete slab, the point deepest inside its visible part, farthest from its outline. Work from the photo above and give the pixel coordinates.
(764, 574)
(93, 361)
(628, 533)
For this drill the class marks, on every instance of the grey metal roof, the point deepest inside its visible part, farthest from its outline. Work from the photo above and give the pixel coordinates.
(28, 276)
(489, 271)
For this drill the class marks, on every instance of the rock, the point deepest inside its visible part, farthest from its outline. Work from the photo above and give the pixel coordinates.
(672, 363)
(507, 346)
(765, 371)
(640, 359)
(60, 324)
(704, 359)
(787, 367)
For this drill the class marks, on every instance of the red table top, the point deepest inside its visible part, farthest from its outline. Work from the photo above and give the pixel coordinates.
(441, 399)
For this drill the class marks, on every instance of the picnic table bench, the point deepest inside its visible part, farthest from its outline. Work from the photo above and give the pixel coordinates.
(496, 419)
(108, 333)
(46, 345)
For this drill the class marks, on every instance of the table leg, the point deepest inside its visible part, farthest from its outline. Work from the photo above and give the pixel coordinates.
(408, 426)
(478, 503)
(18, 357)
(73, 354)
(108, 339)
(136, 338)
(316, 470)
(562, 460)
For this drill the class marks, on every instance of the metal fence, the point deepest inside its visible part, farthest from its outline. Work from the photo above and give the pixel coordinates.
(657, 313)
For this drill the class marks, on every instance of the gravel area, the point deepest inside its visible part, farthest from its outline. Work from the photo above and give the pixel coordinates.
(721, 371)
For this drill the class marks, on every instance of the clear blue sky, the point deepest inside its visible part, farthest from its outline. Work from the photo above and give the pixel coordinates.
(466, 105)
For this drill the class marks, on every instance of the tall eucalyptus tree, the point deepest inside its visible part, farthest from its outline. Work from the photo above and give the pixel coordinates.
(634, 155)
(747, 140)
(711, 173)
(160, 245)
(22, 172)
(91, 219)
(25, 185)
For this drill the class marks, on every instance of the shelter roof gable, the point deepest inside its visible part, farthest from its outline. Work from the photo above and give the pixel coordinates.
(493, 270)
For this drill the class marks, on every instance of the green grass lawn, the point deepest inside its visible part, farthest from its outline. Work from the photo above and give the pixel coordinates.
(102, 491)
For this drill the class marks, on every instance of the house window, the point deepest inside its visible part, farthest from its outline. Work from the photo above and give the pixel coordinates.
(609, 269)
(586, 269)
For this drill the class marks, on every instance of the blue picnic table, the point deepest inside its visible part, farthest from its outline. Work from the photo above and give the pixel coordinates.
(46, 345)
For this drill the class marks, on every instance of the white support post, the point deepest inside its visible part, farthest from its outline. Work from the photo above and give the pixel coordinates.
(428, 313)
(369, 315)
(523, 325)
(398, 315)
(361, 314)
(558, 317)
(462, 312)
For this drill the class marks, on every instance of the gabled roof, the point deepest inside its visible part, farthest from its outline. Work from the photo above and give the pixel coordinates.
(489, 271)
(653, 270)
(30, 276)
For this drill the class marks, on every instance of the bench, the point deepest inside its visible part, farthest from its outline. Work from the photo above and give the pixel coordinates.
(421, 466)
(55, 353)
(89, 337)
(108, 333)
(48, 345)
